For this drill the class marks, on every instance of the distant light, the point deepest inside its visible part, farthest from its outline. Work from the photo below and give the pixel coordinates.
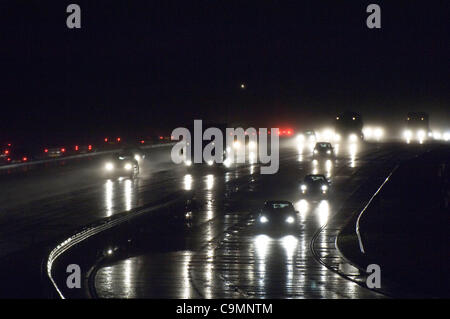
(353, 118)
(106, 139)
(24, 159)
(76, 147)
(142, 141)
(290, 220)
(118, 139)
(128, 166)
(6, 152)
(353, 138)
(89, 147)
(337, 118)
(63, 150)
(161, 137)
(109, 166)
(242, 85)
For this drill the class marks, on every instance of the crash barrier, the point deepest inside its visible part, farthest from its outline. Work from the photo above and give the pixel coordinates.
(73, 157)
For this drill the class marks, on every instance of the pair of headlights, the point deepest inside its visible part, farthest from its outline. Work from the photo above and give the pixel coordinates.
(324, 188)
(110, 166)
(264, 219)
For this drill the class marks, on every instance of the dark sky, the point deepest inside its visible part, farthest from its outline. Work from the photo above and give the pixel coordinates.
(138, 66)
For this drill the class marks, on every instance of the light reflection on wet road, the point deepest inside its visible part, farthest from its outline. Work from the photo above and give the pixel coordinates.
(231, 257)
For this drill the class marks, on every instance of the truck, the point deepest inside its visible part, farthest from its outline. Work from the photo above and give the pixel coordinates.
(417, 127)
(348, 126)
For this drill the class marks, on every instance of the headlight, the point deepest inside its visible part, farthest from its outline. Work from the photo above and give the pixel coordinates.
(210, 163)
(337, 137)
(324, 188)
(128, 166)
(236, 144)
(303, 187)
(290, 220)
(300, 137)
(188, 163)
(109, 166)
(328, 152)
(407, 134)
(137, 157)
(378, 133)
(315, 152)
(263, 219)
(251, 145)
(421, 134)
(353, 138)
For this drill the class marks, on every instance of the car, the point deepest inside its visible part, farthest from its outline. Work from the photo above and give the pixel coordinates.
(277, 213)
(18, 155)
(53, 152)
(121, 165)
(323, 149)
(133, 151)
(307, 136)
(315, 184)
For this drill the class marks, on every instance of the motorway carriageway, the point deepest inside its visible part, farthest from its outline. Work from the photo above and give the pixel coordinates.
(222, 254)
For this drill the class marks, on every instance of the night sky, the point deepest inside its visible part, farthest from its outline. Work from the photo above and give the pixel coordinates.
(141, 66)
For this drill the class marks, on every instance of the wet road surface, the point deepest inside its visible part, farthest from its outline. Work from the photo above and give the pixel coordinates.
(223, 253)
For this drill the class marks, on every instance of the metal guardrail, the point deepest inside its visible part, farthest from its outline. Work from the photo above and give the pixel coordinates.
(89, 232)
(358, 221)
(71, 157)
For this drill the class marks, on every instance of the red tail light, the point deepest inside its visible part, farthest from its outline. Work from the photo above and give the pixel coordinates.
(161, 137)
(118, 139)
(8, 159)
(24, 159)
(6, 152)
(46, 150)
(63, 150)
(76, 147)
(106, 139)
(89, 147)
(142, 141)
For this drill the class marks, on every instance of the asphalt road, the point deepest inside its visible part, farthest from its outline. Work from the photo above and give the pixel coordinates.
(222, 253)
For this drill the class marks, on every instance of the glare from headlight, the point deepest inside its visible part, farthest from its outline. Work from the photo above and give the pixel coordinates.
(315, 152)
(324, 188)
(337, 137)
(378, 133)
(263, 219)
(252, 145)
(188, 163)
(137, 157)
(328, 152)
(300, 137)
(109, 166)
(128, 166)
(353, 138)
(421, 134)
(290, 220)
(303, 187)
(236, 144)
(446, 136)
(210, 163)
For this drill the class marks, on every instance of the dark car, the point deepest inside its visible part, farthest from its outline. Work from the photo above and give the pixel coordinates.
(18, 155)
(121, 165)
(315, 184)
(307, 136)
(280, 213)
(134, 152)
(323, 149)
